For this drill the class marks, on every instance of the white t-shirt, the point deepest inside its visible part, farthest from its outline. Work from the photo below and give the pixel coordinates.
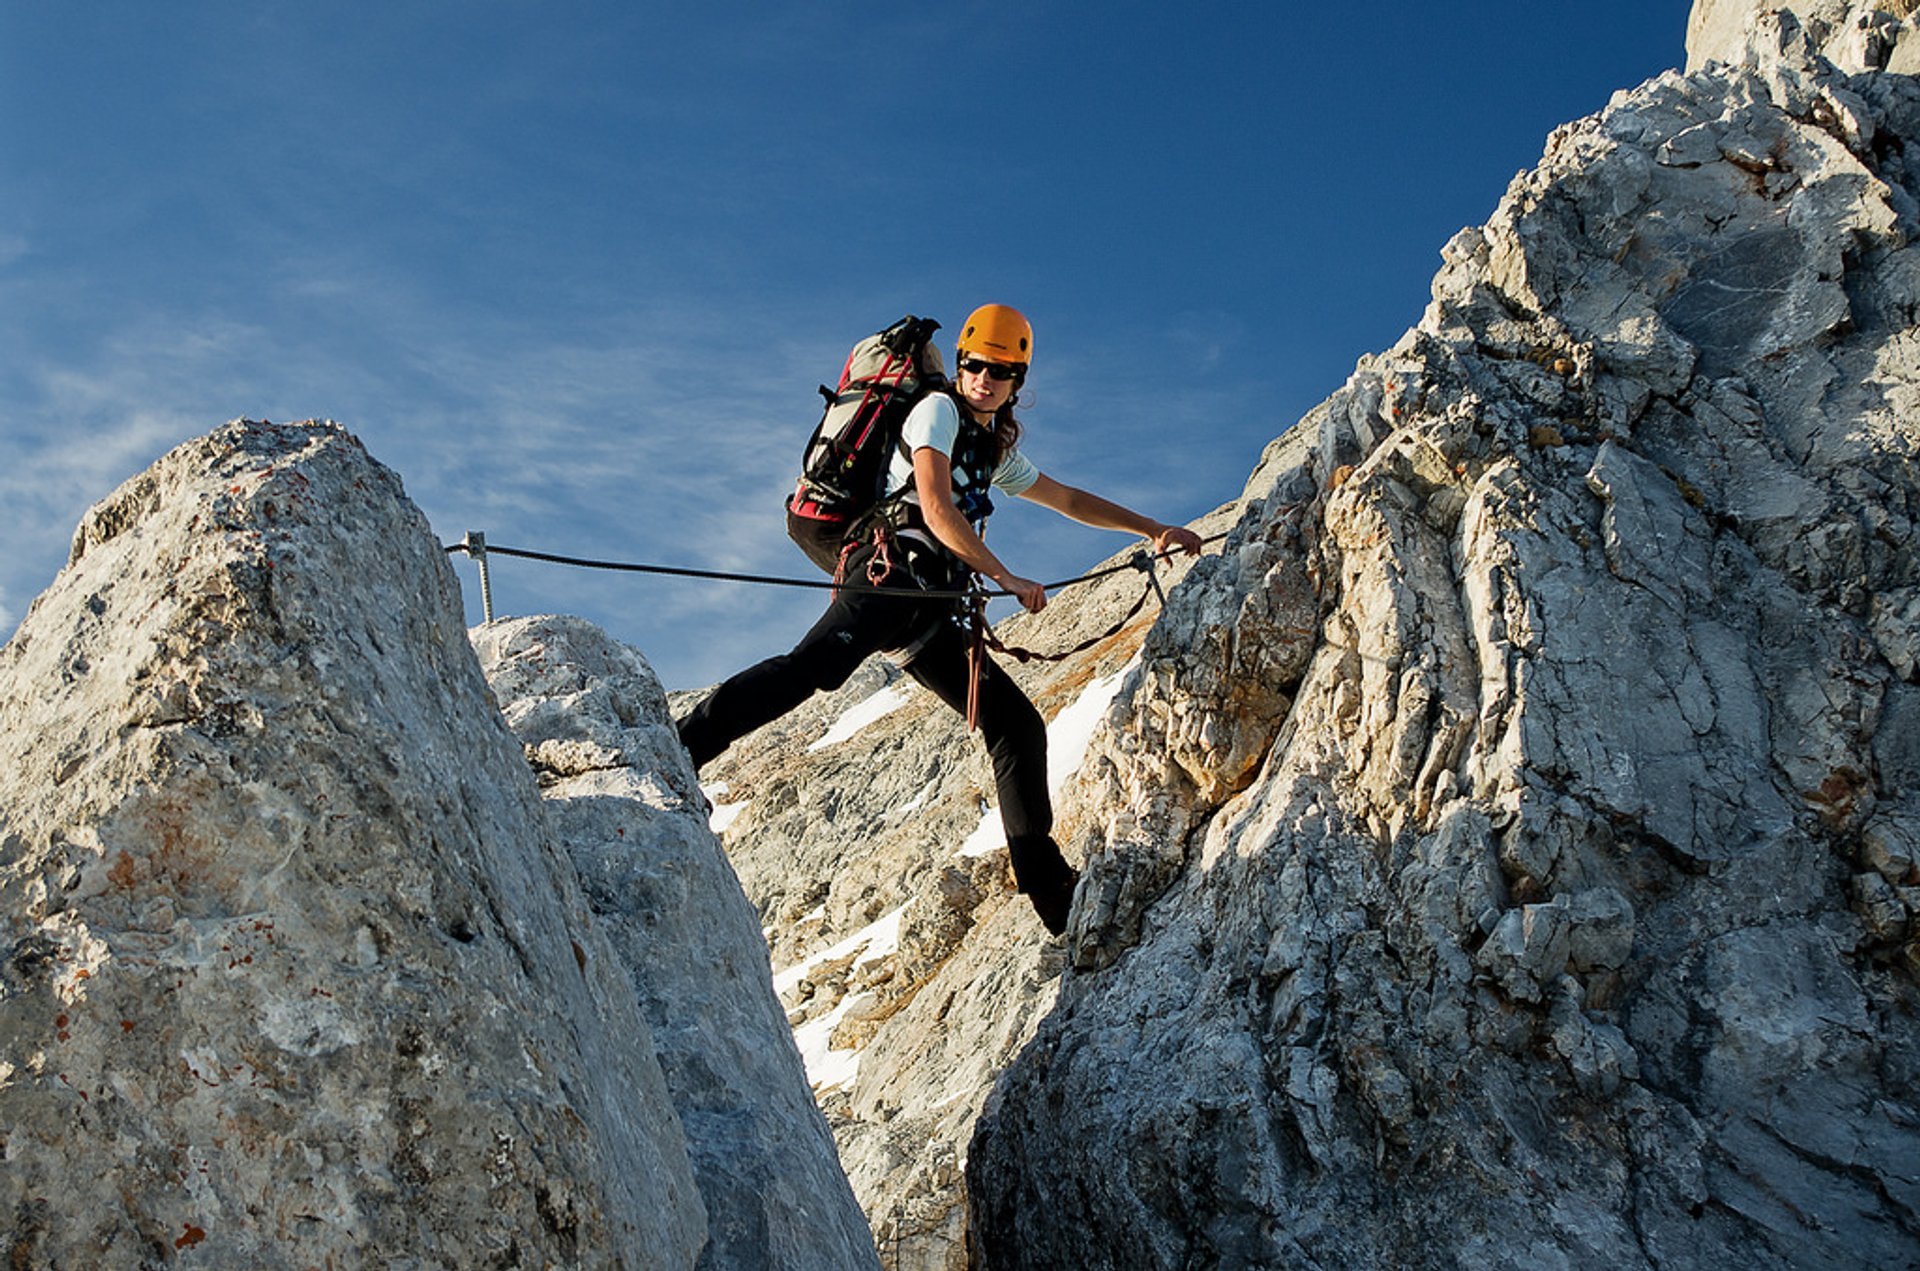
(935, 421)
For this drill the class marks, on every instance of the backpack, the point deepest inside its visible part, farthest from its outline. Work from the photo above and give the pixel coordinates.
(843, 471)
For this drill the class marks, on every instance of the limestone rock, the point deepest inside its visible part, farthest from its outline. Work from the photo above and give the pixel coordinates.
(623, 800)
(292, 966)
(299, 964)
(1854, 35)
(1557, 909)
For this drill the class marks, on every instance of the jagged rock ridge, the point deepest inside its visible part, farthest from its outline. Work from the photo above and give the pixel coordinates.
(297, 966)
(623, 799)
(1568, 917)
(1855, 36)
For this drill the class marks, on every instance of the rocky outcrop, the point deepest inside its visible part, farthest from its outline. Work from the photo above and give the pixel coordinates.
(295, 963)
(1854, 35)
(622, 798)
(1550, 902)
(1502, 851)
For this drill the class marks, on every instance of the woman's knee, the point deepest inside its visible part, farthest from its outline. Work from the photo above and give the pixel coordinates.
(824, 665)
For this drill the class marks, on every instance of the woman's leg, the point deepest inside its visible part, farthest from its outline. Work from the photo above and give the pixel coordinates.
(1015, 735)
(1016, 739)
(852, 628)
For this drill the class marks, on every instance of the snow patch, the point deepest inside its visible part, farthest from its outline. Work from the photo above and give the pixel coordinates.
(828, 1068)
(917, 802)
(723, 814)
(1067, 739)
(880, 938)
(877, 706)
(1072, 729)
(986, 836)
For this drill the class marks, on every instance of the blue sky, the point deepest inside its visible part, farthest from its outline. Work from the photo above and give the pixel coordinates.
(574, 269)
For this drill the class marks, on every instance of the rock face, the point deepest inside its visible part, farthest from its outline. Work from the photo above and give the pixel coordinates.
(1565, 914)
(1502, 852)
(295, 966)
(1854, 35)
(597, 732)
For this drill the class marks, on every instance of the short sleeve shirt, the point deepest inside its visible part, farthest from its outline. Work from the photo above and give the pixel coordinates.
(935, 421)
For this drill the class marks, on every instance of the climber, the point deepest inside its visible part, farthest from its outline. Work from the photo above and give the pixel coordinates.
(955, 445)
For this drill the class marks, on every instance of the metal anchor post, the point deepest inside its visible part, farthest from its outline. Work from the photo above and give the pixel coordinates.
(476, 547)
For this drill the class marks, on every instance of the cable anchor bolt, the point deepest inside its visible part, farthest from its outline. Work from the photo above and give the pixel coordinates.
(1143, 561)
(475, 544)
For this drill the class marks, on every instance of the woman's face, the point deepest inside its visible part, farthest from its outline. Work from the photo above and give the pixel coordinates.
(984, 393)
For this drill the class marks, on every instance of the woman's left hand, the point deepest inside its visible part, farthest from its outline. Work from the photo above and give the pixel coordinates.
(1031, 595)
(1170, 537)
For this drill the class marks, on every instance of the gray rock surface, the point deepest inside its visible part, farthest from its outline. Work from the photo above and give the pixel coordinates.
(298, 969)
(1565, 914)
(621, 796)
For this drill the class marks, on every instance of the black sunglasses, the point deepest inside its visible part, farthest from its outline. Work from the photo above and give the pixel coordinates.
(1001, 371)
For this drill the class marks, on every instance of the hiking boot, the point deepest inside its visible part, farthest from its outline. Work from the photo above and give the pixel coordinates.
(1055, 903)
(1043, 874)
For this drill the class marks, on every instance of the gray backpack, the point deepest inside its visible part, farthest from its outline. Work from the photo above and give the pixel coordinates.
(843, 471)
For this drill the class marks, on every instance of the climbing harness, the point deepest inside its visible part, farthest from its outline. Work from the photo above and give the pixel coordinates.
(976, 656)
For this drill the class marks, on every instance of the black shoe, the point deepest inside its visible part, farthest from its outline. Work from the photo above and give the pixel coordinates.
(1043, 874)
(1055, 904)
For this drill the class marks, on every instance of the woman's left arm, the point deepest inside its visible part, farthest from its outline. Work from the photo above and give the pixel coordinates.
(1104, 514)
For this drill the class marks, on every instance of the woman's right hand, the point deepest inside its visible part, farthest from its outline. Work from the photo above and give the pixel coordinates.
(1031, 595)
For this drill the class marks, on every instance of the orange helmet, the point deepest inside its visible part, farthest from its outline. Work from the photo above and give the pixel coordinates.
(998, 332)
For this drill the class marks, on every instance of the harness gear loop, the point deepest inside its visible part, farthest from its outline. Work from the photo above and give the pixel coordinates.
(880, 565)
(840, 570)
(977, 638)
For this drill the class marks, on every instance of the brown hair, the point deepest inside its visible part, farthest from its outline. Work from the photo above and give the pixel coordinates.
(1006, 429)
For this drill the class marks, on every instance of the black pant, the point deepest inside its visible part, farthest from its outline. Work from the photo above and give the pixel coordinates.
(857, 625)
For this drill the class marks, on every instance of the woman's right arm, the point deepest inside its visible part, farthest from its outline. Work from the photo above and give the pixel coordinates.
(933, 478)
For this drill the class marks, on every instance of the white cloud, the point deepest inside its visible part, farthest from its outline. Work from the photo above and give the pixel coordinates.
(662, 438)
(50, 475)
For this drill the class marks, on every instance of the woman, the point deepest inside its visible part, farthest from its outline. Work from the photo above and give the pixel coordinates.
(955, 445)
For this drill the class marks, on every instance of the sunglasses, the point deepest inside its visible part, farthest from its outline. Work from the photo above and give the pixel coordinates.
(1000, 371)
